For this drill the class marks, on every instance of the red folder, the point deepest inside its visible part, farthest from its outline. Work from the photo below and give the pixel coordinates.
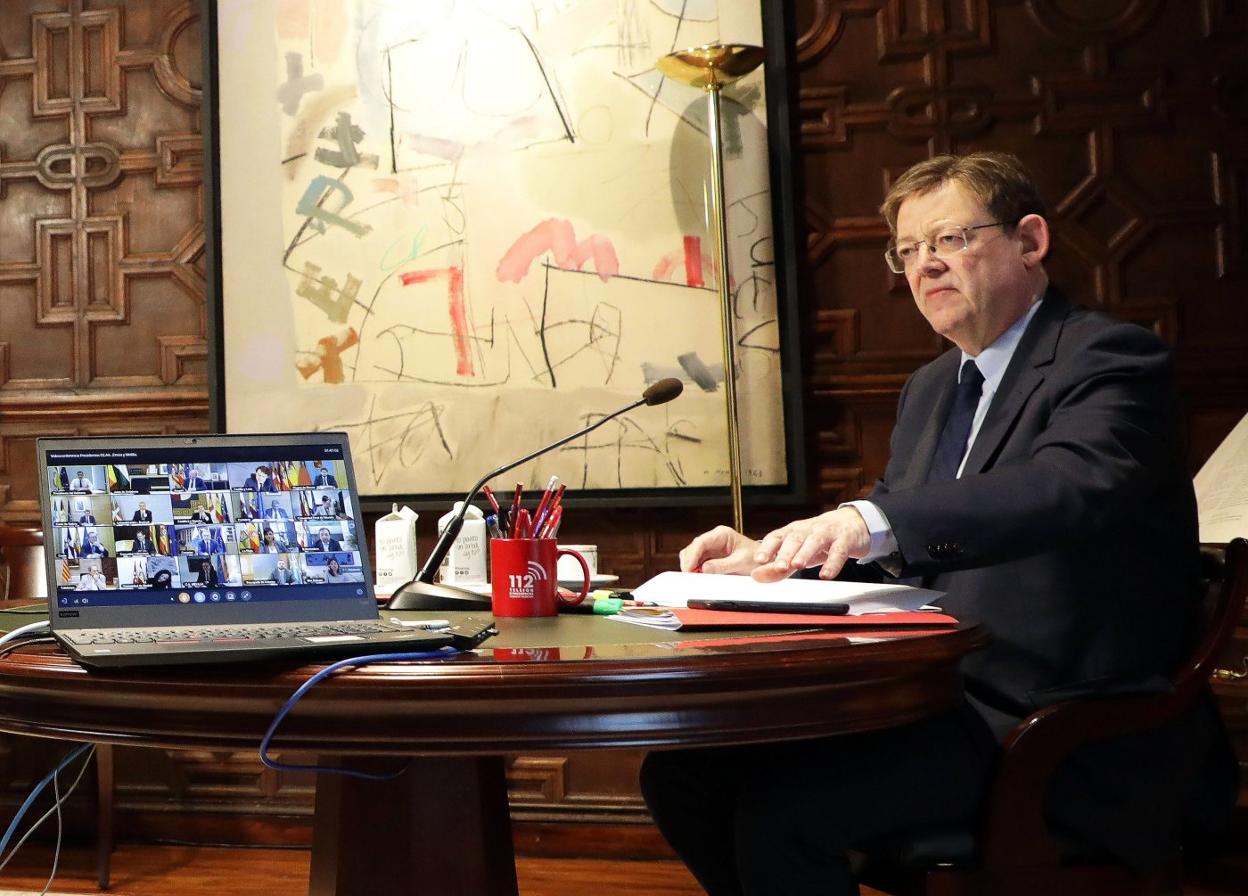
(694, 619)
(691, 619)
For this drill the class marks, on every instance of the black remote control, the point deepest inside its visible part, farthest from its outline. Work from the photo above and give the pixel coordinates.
(470, 632)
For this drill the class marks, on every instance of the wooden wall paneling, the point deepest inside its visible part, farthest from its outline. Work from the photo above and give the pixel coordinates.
(103, 319)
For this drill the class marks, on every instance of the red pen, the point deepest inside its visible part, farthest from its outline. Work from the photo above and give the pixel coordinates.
(552, 523)
(554, 503)
(515, 509)
(522, 524)
(489, 496)
(541, 505)
(540, 520)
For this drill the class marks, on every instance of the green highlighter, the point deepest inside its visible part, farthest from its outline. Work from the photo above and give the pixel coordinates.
(602, 606)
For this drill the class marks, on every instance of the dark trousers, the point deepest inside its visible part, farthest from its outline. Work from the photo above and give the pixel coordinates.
(779, 818)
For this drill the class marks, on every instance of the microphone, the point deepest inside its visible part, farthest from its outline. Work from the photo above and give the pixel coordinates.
(422, 593)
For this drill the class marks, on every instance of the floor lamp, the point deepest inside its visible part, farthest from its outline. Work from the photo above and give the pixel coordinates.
(711, 67)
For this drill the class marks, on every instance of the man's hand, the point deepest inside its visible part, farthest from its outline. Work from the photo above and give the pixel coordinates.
(830, 538)
(721, 550)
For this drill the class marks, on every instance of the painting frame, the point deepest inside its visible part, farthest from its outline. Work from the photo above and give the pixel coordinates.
(781, 136)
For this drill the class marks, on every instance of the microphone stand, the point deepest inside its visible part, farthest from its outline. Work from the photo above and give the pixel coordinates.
(422, 593)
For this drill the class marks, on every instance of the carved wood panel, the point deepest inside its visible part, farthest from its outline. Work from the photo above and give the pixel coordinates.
(103, 318)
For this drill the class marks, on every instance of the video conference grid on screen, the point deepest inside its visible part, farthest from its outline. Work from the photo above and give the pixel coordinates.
(200, 531)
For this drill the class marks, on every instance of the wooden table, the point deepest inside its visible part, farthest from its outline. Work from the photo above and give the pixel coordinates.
(571, 683)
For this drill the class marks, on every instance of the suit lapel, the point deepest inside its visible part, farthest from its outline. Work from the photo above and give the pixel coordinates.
(1024, 375)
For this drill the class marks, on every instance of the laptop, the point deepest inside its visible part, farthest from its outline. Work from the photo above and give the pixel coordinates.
(210, 549)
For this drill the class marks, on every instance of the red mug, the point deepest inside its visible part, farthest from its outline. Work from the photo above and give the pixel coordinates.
(523, 579)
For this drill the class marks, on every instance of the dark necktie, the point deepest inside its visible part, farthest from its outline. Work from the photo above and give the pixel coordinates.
(953, 438)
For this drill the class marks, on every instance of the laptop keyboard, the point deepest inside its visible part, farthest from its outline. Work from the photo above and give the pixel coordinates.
(219, 634)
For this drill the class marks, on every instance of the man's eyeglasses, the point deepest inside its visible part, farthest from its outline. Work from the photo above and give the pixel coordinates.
(949, 241)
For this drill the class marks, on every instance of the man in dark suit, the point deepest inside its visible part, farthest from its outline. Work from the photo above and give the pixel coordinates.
(324, 542)
(195, 481)
(276, 511)
(142, 543)
(142, 514)
(207, 573)
(91, 546)
(261, 480)
(207, 541)
(325, 478)
(285, 573)
(1036, 476)
(201, 514)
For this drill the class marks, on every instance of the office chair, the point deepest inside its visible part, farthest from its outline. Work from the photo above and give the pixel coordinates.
(1013, 850)
(21, 562)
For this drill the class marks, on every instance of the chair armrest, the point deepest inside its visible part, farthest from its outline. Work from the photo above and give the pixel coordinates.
(1015, 819)
(1015, 830)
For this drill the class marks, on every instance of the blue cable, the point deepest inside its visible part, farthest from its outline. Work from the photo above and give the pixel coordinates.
(8, 835)
(308, 685)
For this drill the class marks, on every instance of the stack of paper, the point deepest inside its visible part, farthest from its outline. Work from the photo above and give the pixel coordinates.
(676, 589)
(1222, 489)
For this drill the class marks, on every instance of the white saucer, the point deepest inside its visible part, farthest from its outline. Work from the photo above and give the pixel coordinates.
(482, 588)
(595, 581)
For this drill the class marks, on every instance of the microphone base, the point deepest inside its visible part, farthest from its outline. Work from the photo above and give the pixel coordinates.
(428, 596)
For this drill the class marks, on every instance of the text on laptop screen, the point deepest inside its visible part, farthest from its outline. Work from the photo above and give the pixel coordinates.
(202, 525)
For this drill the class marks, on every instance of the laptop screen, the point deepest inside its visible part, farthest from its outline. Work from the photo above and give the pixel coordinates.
(202, 522)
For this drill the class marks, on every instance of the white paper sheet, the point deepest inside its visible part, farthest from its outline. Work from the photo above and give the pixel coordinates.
(1222, 489)
(675, 589)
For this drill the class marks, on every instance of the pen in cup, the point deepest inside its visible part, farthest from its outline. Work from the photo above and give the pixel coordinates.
(523, 529)
(514, 512)
(545, 519)
(540, 511)
(489, 496)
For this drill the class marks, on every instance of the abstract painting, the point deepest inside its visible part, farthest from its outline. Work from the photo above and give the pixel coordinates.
(461, 229)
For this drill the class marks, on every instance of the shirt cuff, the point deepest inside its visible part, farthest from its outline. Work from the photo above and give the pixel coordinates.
(883, 542)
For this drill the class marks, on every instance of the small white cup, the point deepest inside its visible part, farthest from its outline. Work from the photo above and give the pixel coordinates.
(568, 568)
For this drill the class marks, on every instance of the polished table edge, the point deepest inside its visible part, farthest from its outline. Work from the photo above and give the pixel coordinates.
(457, 716)
(738, 690)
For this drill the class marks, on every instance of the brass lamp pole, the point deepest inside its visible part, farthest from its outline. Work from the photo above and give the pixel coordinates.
(711, 67)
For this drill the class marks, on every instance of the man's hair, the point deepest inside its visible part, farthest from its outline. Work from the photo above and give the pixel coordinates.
(998, 180)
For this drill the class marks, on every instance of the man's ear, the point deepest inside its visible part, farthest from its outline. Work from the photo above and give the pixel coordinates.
(1033, 239)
